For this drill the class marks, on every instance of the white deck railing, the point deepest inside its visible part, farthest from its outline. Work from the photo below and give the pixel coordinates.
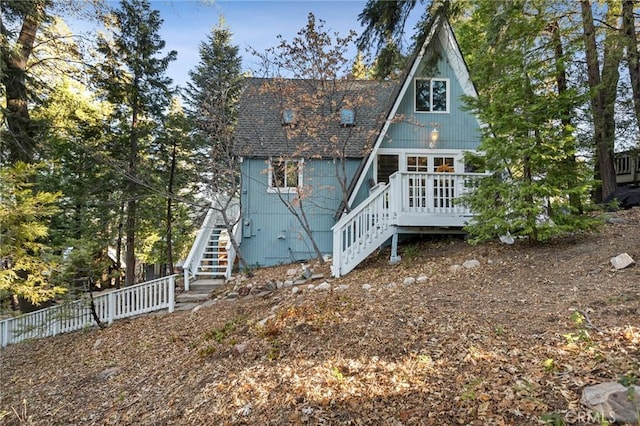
(410, 199)
(362, 231)
(191, 264)
(431, 194)
(123, 303)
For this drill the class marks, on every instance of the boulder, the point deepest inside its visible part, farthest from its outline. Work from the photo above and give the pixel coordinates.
(325, 286)
(614, 401)
(470, 264)
(621, 261)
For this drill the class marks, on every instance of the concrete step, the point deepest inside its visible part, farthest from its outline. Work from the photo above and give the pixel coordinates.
(192, 297)
(205, 284)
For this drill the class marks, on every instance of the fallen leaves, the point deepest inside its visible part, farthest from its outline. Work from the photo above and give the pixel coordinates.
(499, 344)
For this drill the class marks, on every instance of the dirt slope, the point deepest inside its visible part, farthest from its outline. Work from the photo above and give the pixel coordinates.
(512, 341)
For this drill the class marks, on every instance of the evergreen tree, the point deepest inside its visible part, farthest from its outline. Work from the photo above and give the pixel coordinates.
(529, 142)
(212, 97)
(26, 263)
(133, 78)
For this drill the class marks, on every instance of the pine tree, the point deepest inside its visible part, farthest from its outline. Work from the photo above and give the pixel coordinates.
(133, 77)
(212, 96)
(26, 262)
(529, 142)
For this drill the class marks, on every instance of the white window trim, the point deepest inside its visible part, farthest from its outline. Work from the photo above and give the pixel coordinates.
(289, 189)
(448, 92)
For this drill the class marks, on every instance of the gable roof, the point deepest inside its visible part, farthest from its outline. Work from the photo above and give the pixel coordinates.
(316, 130)
(438, 29)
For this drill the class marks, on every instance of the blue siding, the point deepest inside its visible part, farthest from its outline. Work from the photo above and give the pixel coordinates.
(271, 234)
(458, 129)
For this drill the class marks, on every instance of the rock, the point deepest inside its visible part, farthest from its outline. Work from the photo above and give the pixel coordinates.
(233, 295)
(243, 291)
(341, 287)
(196, 309)
(470, 264)
(239, 349)
(317, 276)
(298, 282)
(390, 285)
(616, 220)
(97, 344)
(621, 261)
(366, 287)
(288, 283)
(292, 272)
(264, 321)
(109, 372)
(310, 287)
(422, 279)
(306, 272)
(409, 281)
(453, 269)
(325, 286)
(613, 400)
(280, 284)
(295, 290)
(270, 286)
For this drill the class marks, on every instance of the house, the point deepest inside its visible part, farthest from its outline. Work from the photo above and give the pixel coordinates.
(362, 162)
(627, 166)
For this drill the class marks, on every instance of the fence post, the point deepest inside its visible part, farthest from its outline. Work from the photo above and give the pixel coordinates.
(5, 333)
(111, 307)
(172, 292)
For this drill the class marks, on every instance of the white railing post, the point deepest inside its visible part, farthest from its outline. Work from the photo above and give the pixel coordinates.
(111, 307)
(172, 292)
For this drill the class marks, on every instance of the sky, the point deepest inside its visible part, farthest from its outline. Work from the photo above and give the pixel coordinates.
(253, 24)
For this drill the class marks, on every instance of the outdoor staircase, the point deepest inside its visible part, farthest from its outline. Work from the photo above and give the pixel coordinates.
(213, 262)
(212, 256)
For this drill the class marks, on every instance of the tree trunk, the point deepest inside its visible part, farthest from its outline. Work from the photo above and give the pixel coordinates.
(132, 194)
(603, 137)
(119, 246)
(565, 118)
(21, 130)
(169, 218)
(631, 41)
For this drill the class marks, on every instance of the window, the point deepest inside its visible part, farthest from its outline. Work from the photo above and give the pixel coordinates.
(284, 175)
(443, 165)
(347, 117)
(417, 164)
(288, 117)
(432, 95)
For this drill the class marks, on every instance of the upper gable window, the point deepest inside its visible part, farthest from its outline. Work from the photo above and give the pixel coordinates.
(347, 117)
(432, 95)
(288, 117)
(285, 175)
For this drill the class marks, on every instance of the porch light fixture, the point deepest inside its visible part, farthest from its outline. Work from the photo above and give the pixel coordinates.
(434, 135)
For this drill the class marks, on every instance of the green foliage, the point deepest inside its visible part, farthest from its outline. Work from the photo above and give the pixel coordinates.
(538, 187)
(27, 262)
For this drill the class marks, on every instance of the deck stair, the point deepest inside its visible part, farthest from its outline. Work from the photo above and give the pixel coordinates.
(212, 255)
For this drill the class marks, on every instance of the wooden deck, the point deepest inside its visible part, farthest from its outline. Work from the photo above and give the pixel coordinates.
(411, 200)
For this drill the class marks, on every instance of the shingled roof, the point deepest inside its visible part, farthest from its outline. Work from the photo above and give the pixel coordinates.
(316, 130)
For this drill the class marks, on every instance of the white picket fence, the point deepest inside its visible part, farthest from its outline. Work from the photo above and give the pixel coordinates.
(123, 303)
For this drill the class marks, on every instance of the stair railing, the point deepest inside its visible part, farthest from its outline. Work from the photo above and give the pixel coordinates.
(192, 262)
(364, 229)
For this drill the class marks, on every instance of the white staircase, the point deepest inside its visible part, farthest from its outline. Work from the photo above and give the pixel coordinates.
(213, 262)
(212, 255)
(362, 231)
